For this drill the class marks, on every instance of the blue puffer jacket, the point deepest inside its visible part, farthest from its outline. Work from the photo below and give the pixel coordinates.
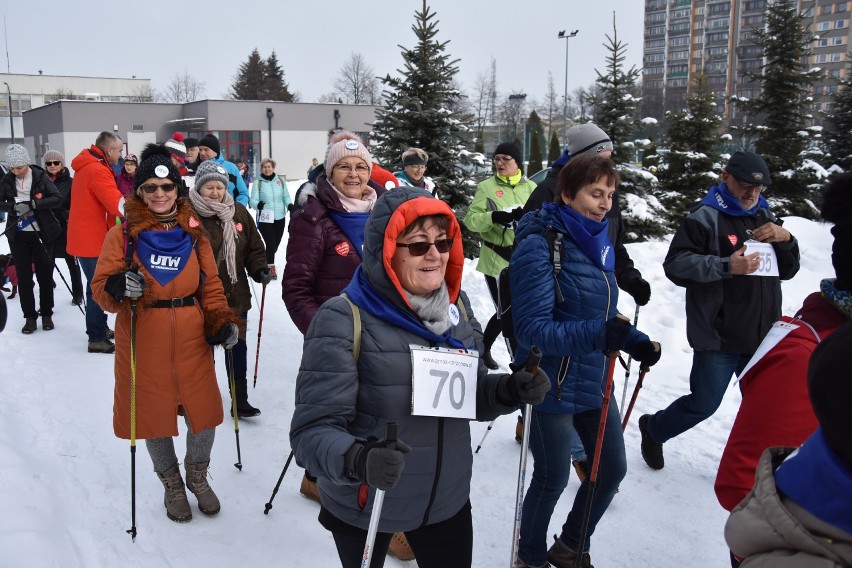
(571, 335)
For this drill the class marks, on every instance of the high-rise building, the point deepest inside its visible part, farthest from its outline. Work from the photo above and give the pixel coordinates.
(684, 38)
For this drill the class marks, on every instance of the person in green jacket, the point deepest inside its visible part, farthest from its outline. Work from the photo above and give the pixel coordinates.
(494, 212)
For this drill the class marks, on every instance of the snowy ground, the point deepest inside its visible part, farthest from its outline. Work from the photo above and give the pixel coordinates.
(65, 479)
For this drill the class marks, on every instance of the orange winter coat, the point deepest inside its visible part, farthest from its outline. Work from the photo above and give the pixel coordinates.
(95, 203)
(175, 370)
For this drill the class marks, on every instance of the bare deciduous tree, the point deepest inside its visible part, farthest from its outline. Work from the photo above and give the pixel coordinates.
(480, 99)
(143, 94)
(356, 83)
(183, 88)
(550, 107)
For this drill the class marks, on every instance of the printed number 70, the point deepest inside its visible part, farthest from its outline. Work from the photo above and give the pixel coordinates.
(456, 378)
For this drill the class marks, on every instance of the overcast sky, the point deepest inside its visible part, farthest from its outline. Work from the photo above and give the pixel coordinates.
(313, 39)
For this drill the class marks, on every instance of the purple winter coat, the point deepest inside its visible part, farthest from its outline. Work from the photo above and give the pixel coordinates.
(320, 258)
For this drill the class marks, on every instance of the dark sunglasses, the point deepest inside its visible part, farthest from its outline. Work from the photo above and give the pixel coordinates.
(152, 187)
(421, 248)
(56, 163)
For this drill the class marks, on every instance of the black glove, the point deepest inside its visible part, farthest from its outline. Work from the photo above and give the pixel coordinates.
(127, 284)
(378, 463)
(647, 352)
(616, 334)
(227, 336)
(640, 290)
(501, 217)
(261, 205)
(291, 208)
(522, 387)
(22, 208)
(517, 213)
(264, 276)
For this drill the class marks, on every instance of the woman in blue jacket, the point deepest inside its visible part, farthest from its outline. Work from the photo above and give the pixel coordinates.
(269, 193)
(574, 332)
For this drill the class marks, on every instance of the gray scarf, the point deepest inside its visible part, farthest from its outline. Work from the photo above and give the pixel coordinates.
(224, 210)
(433, 310)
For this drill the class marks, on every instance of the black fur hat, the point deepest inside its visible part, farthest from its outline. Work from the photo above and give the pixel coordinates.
(155, 161)
(837, 209)
(830, 389)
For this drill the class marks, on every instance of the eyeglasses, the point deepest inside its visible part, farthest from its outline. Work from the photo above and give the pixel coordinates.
(56, 163)
(153, 187)
(421, 248)
(360, 168)
(751, 186)
(503, 159)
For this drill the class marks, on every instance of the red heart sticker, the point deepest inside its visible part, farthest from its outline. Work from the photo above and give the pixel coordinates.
(499, 193)
(193, 222)
(38, 196)
(733, 239)
(342, 248)
(239, 227)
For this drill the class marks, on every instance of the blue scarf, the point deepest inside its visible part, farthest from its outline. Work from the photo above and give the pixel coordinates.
(814, 478)
(591, 236)
(352, 225)
(164, 253)
(720, 197)
(363, 295)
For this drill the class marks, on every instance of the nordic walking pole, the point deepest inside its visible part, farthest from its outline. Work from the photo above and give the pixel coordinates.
(533, 359)
(259, 329)
(56, 269)
(642, 370)
(132, 530)
(230, 355)
(629, 360)
(277, 485)
(376, 515)
(592, 480)
(482, 441)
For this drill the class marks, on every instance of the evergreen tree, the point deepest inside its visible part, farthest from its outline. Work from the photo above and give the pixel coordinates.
(778, 117)
(249, 81)
(614, 103)
(554, 150)
(536, 142)
(693, 162)
(839, 131)
(417, 113)
(274, 88)
(535, 155)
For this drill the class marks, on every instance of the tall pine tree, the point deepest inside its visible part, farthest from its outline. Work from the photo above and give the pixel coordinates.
(274, 87)
(692, 163)
(249, 80)
(778, 117)
(417, 113)
(839, 132)
(554, 150)
(615, 102)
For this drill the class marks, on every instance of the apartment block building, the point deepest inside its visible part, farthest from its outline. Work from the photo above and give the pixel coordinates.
(684, 38)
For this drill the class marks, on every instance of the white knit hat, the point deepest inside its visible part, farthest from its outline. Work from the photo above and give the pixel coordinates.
(16, 156)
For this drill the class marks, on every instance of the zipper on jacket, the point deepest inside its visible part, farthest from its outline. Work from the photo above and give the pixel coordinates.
(438, 460)
(563, 370)
(608, 306)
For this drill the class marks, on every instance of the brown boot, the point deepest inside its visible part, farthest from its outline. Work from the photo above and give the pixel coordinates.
(309, 488)
(399, 547)
(196, 481)
(177, 507)
(582, 468)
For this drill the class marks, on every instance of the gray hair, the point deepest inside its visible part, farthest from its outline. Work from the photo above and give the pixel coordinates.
(106, 139)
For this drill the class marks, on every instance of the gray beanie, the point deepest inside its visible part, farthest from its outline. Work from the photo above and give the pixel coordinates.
(54, 156)
(589, 138)
(16, 156)
(210, 170)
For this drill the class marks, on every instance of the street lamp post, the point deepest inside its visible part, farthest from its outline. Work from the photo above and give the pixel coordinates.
(520, 98)
(566, 37)
(269, 115)
(11, 120)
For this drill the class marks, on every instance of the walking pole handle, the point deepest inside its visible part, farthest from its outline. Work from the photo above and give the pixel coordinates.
(624, 321)
(533, 359)
(378, 502)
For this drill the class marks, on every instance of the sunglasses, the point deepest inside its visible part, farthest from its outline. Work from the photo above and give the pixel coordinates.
(56, 163)
(421, 248)
(152, 187)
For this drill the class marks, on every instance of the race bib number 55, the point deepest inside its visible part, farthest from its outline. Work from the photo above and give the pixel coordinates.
(768, 260)
(443, 382)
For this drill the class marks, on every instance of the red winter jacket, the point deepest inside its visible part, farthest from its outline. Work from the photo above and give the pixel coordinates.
(776, 409)
(95, 203)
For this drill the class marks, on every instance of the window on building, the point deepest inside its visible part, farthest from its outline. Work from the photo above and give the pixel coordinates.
(677, 83)
(825, 9)
(753, 21)
(653, 70)
(717, 36)
(840, 7)
(752, 64)
(684, 27)
(839, 40)
(720, 8)
(755, 5)
(657, 17)
(841, 24)
(718, 80)
(678, 55)
(20, 103)
(677, 41)
(698, 24)
(822, 58)
(655, 5)
(655, 57)
(837, 57)
(824, 26)
(239, 145)
(655, 43)
(678, 14)
(720, 23)
(656, 30)
(823, 42)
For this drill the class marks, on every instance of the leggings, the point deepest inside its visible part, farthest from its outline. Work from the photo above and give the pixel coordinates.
(272, 234)
(198, 448)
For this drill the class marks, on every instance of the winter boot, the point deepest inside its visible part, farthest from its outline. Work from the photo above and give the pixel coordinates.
(110, 333)
(30, 325)
(77, 301)
(196, 481)
(46, 323)
(582, 468)
(519, 430)
(489, 361)
(399, 547)
(244, 409)
(177, 507)
(560, 556)
(652, 450)
(105, 346)
(309, 488)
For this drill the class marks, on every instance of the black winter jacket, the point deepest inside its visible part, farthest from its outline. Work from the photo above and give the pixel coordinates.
(45, 200)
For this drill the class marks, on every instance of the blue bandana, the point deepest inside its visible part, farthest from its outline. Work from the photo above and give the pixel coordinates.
(363, 295)
(352, 225)
(591, 236)
(720, 197)
(814, 478)
(164, 253)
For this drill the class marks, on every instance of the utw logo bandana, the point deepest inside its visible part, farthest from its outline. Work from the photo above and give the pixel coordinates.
(164, 253)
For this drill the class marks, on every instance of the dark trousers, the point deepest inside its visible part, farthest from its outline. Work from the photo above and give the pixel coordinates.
(96, 318)
(272, 234)
(28, 250)
(493, 327)
(76, 276)
(448, 544)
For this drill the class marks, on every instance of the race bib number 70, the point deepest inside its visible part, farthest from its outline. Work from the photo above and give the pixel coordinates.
(443, 382)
